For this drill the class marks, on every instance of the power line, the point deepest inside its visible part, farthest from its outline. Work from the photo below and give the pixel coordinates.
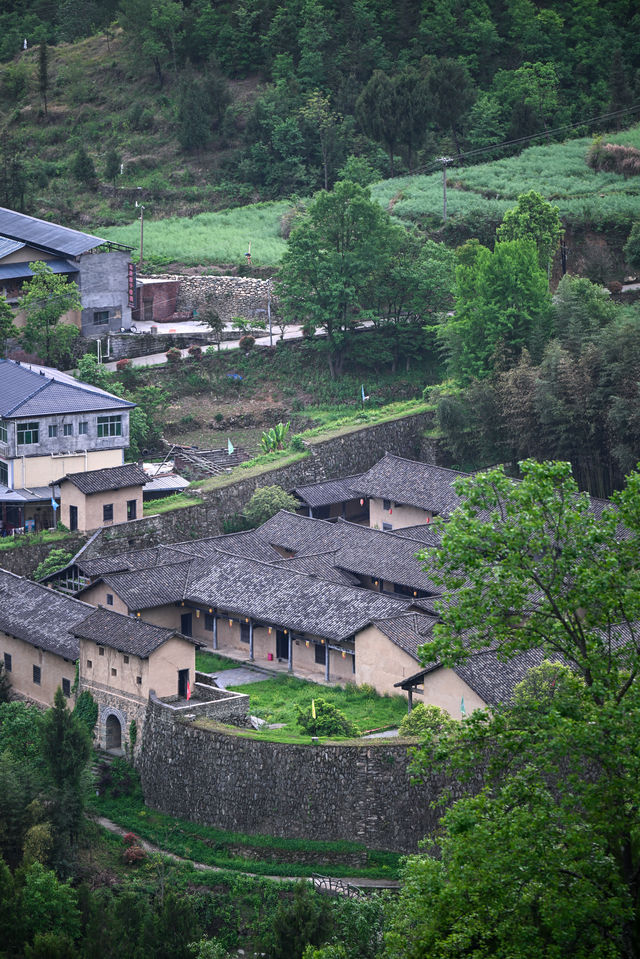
(433, 166)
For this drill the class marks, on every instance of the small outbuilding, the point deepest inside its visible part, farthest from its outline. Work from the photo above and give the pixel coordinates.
(99, 498)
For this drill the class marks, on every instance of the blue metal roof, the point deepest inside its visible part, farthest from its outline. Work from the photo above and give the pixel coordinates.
(9, 246)
(19, 271)
(26, 393)
(47, 236)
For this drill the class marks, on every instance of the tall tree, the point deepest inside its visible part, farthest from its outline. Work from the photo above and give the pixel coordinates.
(452, 95)
(532, 861)
(112, 166)
(47, 296)
(533, 218)
(335, 257)
(8, 329)
(503, 306)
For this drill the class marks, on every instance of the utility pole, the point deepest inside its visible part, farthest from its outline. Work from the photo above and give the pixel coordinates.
(445, 161)
(269, 311)
(141, 208)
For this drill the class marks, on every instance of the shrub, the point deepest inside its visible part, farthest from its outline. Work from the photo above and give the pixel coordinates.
(86, 710)
(247, 342)
(173, 355)
(266, 502)
(274, 438)
(133, 855)
(57, 559)
(632, 247)
(426, 719)
(123, 364)
(195, 352)
(297, 444)
(324, 719)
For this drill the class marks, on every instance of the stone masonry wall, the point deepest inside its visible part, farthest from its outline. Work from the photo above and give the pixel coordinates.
(352, 453)
(360, 793)
(232, 295)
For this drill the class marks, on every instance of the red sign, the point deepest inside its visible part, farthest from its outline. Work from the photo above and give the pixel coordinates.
(132, 285)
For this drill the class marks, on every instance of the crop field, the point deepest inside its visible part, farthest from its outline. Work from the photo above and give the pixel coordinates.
(558, 171)
(220, 237)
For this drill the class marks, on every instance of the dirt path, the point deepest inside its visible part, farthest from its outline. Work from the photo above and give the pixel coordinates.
(151, 848)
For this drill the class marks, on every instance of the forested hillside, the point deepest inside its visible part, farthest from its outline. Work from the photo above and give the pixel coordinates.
(214, 104)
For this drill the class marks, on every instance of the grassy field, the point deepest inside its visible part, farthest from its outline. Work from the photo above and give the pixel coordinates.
(237, 852)
(221, 237)
(558, 171)
(275, 701)
(212, 663)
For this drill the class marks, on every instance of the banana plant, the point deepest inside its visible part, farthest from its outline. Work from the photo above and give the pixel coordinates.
(274, 438)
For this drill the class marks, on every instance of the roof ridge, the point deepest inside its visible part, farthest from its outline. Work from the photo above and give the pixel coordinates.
(405, 459)
(25, 399)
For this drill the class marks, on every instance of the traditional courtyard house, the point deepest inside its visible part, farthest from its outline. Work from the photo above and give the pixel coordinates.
(121, 661)
(38, 650)
(100, 498)
(51, 424)
(103, 270)
(404, 492)
(333, 499)
(373, 559)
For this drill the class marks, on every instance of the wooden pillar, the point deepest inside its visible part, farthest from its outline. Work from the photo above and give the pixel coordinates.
(215, 629)
(410, 698)
(326, 662)
(290, 652)
(251, 640)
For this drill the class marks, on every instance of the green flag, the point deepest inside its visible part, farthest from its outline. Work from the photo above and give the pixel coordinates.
(463, 711)
(230, 447)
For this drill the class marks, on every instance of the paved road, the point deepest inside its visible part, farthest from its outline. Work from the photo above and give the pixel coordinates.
(239, 677)
(293, 332)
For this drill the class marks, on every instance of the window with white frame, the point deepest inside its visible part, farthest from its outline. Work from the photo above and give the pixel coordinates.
(68, 429)
(4, 474)
(109, 426)
(28, 434)
(3, 431)
(53, 431)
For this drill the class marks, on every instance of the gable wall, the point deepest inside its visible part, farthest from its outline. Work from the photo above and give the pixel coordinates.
(24, 656)
(398, 517)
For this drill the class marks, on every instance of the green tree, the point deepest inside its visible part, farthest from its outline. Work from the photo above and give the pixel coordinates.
(8, 330)
(452, 95)
(321, 718)
(192, 118)
(89, 370)
(46, 297)
(300, 922)
(580, 310)
(82, 167)
(324, 121)
(112, 164)
(335, 256)
(533, 218)
(531, 862)
(86, 710)
(503, 306)
(632, 247)
(266, 502)
(209, 315)
(55, 560)
(66, 747)
(394, 110)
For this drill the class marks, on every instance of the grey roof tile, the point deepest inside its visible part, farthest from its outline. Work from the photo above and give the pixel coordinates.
(109, 478)
(408, 631)
(127, 634)
(39, 616)
(411, 483)
(357, 549)
(331, 491)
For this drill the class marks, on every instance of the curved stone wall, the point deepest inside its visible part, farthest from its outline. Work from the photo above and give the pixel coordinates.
(341, 791)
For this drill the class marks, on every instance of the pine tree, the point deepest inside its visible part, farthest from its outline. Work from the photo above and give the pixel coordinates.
(43, 74)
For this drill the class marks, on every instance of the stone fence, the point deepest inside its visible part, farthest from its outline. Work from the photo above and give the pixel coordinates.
(206, 700)
(229, 295)
(354, 791)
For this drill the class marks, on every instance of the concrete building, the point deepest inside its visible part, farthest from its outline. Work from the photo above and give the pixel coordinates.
(103, 270)
(99, 498)
(51, 424)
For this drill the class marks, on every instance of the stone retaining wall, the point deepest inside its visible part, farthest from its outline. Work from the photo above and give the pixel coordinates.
(327, 459)
(231, 295)
(127, 345)
(334, 791)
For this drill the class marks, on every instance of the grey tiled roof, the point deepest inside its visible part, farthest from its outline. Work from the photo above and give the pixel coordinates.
(411, 483)
(428, 535)
(8, 246)
(408, 631)
(289, 599)
(357, 549)
(320, 565)
(39, 616)
(25, 392)
(123, 562)
(127, 634)
(156, 586)
(35, 494)
(331, 491)
(47, 236)
(109, 478)
(495, 680)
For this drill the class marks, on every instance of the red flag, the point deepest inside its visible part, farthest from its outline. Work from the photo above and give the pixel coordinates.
(188, 691)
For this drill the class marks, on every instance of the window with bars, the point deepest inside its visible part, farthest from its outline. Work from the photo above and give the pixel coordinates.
(3, 431)
(4, 474)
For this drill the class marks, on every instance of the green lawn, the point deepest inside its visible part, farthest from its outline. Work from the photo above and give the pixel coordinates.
(213, 663)
(274, 700)
(168, 503)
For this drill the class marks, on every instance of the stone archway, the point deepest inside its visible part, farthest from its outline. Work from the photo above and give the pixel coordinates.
(113, 732)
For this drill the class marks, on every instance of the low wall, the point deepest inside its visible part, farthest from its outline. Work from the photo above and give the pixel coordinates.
(340, 791)
(23, 559)
(126, 345)
(327, 459)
